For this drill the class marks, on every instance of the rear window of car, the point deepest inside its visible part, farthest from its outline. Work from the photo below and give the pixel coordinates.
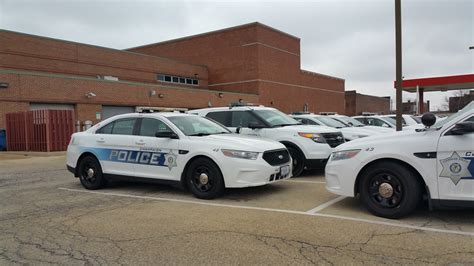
(221, 117)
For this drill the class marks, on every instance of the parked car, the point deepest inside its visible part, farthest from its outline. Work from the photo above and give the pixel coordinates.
(349, 121)
(309, 146)
(350, 133)
(201, 155)
(393, 172)
(376, 120)
(407, 120)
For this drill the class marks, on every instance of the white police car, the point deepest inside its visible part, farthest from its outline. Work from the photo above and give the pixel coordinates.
(309, 146)
(393, 171)
(200, 154)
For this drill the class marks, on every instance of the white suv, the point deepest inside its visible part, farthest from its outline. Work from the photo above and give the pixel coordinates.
(309, 146)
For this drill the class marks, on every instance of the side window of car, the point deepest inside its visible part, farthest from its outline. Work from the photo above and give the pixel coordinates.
(107, 129)
(243, 119)
(222, 117)
(150, 126)
(470, 119)
(362, 120)
(123, 126)
(311, 122)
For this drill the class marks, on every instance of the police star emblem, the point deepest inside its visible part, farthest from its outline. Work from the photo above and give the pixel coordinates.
(455, 168)
(170, 160)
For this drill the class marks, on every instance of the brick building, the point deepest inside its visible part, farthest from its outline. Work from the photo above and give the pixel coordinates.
(357, 103)
(251, 62)
(456, 103)
(409, 107)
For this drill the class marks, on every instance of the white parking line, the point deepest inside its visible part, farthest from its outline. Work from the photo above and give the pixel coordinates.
(325, 205)
(199, 202)
(304, 181)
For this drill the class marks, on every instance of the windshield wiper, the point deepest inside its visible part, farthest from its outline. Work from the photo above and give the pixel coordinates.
(199, 134)
(284, 125)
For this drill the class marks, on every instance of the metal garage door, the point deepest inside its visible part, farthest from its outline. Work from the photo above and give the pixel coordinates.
(110, 110)
(51, 106)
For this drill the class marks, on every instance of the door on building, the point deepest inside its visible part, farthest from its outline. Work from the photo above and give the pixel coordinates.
(112, 110)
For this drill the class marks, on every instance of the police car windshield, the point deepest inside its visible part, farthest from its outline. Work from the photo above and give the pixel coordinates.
(197, 126)
(330, 122)
(452, 117)
(276, 118)
(350, 121)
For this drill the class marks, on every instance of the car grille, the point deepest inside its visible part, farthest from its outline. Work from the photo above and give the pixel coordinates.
(276, 157)
(333, 139)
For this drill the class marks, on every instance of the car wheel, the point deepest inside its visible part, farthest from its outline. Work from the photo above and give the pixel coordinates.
(204, 179)
(389, 190)
(90, 173)
(298, 160)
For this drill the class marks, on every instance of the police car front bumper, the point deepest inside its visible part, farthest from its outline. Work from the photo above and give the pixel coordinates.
(341, 176)
(248, 173)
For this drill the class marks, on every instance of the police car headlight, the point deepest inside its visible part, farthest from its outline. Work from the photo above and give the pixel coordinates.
(250, 155)
(342, 155)
(313, 136)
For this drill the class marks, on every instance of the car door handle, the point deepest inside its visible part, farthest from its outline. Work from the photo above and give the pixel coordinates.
(101, 140)
(140, 142)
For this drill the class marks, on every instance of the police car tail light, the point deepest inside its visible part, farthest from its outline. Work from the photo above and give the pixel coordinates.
(342, 155)
(313, 136)
(241, 154)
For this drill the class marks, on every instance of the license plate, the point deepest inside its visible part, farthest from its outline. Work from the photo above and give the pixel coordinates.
(284, 170)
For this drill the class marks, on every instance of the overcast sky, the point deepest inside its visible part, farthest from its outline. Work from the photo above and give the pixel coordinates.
(350, 39)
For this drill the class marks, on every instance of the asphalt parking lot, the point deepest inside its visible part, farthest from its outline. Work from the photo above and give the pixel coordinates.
(47, 217)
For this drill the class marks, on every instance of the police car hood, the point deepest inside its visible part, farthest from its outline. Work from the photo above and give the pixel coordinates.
(360, 131)
(242, 142)
(398, 137)
(378, 129)
(306, 129)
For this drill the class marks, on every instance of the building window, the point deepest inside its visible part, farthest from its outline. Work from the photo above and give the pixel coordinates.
(175, 79)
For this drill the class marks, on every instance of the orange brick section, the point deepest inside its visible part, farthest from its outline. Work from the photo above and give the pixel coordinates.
(248, 57)
(27, 52)
(84, 112)
(357, 103)
(11, 107)
(28, 87)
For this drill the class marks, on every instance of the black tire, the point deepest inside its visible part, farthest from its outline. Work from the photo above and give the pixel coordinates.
(209, 186)
(390, 190)
(90, 173)
(298, 160)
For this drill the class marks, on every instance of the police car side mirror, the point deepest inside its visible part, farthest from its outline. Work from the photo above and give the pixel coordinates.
(166, 134)
(255, 125)
(428, 119)
(462, 128)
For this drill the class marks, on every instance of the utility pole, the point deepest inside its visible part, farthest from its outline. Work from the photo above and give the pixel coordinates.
(398, 59)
